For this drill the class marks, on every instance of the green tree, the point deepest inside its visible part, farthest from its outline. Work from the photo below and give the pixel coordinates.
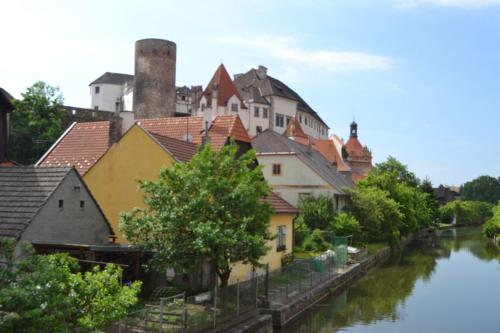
(483, 188)
(466, 212)
(344, 224)
(492, 227)
(316, 212)
(432, 203)
(208, 208)
(47, 293)
(35, 122)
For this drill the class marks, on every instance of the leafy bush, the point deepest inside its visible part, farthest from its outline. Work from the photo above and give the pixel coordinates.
(315, 242)
(316, 212)
(345, 224)
(466, 212)
(492, 227)
(301, 233)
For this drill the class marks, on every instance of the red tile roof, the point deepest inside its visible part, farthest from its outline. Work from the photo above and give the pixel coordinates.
(7, 163)
(226, 87)
(182, 151)
(221, 129)
(80, 146)
(354, 147)
(280, 205)
(294, 129)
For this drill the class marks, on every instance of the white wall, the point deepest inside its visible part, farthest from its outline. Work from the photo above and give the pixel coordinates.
(108, 95)
(295, 178)
(251, 122)
(128, 99)
(283, 106)
(313, 127)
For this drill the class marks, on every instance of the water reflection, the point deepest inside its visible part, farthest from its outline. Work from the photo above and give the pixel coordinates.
(381, 296)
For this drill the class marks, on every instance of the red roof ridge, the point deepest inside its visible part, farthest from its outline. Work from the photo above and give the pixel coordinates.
(226, 87)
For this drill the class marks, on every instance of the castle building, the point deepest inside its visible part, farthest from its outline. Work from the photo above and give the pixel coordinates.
(357, 156)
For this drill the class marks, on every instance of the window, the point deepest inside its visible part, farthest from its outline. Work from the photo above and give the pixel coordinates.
(280, 120)
(276, 169)
(82, 204)
(76, 188)
(234, 107)
(281, 240)
(96, 108)
(258, 129)
(288, 120)
(300, 119)
(265, 113)
(305, 120)
(97, 89)
(256, 112)
(183, 98)
(61, 204)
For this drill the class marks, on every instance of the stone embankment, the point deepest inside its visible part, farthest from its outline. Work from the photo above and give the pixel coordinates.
(278, 315)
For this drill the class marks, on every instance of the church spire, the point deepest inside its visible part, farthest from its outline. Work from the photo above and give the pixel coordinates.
(354, 129)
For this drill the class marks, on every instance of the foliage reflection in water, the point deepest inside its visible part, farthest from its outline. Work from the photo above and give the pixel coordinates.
(444, 284)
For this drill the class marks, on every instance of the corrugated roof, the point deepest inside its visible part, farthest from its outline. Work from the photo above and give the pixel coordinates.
(23, 191)
(280, 205)
(80, 146)
(113, 78)
(272, 142)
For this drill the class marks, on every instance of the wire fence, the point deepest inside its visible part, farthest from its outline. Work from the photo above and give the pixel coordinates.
(217, 307)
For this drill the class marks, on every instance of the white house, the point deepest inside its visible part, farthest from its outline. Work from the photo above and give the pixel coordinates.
(295, 170)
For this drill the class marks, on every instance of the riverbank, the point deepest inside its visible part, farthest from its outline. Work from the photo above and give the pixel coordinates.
(279, 314)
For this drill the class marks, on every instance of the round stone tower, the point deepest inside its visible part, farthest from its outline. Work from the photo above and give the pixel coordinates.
(154, 78)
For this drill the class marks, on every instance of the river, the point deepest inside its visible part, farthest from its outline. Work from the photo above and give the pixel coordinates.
(449, 283)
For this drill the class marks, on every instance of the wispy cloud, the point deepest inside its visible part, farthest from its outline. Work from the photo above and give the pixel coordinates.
(446, 3)
(287, 49)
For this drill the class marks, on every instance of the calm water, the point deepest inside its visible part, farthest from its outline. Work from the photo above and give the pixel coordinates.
(447, 284)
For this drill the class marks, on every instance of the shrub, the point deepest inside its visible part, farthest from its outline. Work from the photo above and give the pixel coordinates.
(345, 224)
(492, 227)
(316, 212)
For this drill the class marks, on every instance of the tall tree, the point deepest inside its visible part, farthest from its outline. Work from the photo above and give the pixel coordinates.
(208, 208)
(316, 212)
(483, 188)
(35, 122)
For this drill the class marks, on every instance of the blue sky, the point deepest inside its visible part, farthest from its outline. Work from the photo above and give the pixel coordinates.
(421, 77)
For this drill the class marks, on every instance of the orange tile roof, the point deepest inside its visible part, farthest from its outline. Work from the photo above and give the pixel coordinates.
(80, 146)
(294, 129)
(226, 86)
(221, 129)
(280, 205)
(354, 147)
(356, 177)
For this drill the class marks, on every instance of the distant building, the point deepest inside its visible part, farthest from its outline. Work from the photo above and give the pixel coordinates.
(445, 194)
(49, 206)
(272, 104)
(350, 159)
(296, 170)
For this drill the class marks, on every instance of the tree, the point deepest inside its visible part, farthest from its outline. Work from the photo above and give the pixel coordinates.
(483, 188)
(466, 212)
(492, 227)
(208, 208)
(47, 293)
(35, 122)
(344, 224)
(316, 212)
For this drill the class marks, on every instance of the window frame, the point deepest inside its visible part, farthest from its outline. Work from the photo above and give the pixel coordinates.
(279, 120)
(256, 112)
(235, 107)
(281, 238)
(277, 167)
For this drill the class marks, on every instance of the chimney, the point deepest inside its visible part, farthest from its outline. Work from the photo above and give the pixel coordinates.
(5, 108)
(115, 128)
(205, 138)
(262, 72)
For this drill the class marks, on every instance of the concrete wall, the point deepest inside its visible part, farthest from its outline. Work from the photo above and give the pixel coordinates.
(70, 224)
(251, 122)
(113, 179)
(108, 95)
(295, 178)
(314, 127)
(273, 257)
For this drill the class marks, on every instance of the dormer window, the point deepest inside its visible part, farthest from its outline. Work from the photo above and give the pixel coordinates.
(97, 89)
(235, 107)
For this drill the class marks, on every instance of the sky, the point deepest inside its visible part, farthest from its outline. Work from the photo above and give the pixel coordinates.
(420, 77)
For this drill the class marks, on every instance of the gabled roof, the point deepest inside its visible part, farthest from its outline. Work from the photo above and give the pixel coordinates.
(24, 191)
(113, 78)
(279, 205)
(181, 151)
(294, 129)
(270, 142)
(80, 146)
(222, 128)
(269, 86)
(226, 87)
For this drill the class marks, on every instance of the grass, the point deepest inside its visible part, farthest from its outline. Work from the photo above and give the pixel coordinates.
(305, 255)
